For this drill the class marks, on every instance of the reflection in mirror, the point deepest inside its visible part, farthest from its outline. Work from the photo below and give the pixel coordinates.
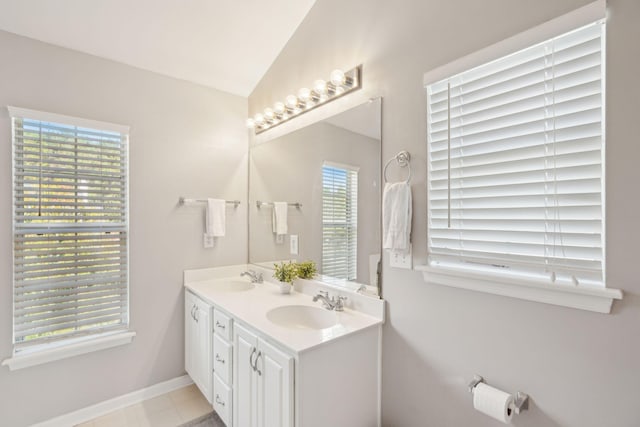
(332, 169)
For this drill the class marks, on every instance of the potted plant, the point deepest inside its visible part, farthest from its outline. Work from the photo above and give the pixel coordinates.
(306, 269)
(285, 273)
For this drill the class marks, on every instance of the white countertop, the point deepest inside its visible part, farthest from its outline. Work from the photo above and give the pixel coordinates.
(251, 307)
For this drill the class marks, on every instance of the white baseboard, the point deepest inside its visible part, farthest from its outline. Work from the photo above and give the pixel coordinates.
(99, 409)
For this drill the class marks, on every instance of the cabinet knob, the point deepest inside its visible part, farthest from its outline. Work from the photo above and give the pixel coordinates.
(220, 325)
(219, 359)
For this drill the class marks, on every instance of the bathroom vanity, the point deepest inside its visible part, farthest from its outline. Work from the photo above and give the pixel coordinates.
(263, 358)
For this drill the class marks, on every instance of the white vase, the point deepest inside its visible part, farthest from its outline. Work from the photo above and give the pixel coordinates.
(285, 287)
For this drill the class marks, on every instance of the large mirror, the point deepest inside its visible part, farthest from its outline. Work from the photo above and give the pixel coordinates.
(328, 173)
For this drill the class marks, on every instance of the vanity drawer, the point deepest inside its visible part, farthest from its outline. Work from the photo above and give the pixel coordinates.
(222, 400)
(222, 325)
(222, 358)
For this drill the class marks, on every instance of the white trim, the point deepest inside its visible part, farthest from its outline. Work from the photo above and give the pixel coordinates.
(68, 120)
(562, 24)
(102, 408)
(587, 298)
(25, 360)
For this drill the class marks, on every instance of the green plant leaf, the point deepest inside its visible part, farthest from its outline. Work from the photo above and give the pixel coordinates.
(285, 272)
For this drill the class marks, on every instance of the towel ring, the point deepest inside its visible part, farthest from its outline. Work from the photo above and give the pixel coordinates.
(404, 159)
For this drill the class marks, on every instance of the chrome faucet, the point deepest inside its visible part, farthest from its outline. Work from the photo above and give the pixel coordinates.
(253, 275)
(333, 303)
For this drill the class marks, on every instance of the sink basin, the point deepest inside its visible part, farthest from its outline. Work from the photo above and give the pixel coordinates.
(302, 317)
(232, 285)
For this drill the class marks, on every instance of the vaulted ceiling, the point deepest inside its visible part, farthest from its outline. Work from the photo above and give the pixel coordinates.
(227, 45)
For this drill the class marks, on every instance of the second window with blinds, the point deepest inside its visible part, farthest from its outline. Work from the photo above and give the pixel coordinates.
(339, 220)
(515, 158)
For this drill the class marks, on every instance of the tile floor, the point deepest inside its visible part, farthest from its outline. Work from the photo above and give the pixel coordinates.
(168, 410)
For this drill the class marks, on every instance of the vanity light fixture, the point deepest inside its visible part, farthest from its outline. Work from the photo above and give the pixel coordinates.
(340, 83)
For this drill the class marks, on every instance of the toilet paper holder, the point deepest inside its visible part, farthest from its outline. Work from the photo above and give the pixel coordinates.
(520, 400)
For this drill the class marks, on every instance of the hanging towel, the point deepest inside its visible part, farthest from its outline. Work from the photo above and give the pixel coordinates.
(396, 216)
(215, 217)
(279, 218)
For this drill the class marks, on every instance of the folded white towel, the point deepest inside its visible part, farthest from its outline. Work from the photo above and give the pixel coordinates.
(215, 217)
(279, 218)
(396, 216)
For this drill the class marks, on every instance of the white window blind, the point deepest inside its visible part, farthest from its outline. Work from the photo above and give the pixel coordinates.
(515, 156)
(339, 221)
(69, 227)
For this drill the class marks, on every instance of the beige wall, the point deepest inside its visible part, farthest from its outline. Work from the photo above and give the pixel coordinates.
(289, 168)
(582, 369)
(185, 140)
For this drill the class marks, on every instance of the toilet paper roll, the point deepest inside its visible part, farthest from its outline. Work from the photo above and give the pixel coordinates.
(493, 402)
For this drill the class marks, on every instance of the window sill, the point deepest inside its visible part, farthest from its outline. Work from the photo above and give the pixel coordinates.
(587, 298)
(26, 359)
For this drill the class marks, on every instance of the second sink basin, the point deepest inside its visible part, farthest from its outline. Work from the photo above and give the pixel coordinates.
(232, 285)
(302, 317)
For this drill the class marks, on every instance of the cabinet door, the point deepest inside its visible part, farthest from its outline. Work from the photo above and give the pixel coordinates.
(202, 358)
(275, 387)
(244, 382)
(189, 331)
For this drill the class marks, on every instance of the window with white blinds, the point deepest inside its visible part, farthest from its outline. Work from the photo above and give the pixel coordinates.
(339, 221)
(515, 157)
(70, 227)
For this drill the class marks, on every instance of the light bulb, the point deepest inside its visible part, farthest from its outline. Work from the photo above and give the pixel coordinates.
(337, 77)
(279, 108)
(259, 119)
(320, 87)
(250, 123)
(304, 94)
(268, 114)
(292, 101)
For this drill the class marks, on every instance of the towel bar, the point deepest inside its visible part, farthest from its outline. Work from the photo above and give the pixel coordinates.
(184, 200)
(259, 204)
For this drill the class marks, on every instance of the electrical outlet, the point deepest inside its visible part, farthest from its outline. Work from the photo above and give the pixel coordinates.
(399, 259)
(293, 244)
(208, 241)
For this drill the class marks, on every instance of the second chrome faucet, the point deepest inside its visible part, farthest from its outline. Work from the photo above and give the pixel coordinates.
(253, 275)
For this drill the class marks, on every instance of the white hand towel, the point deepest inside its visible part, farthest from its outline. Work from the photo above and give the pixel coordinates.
(279, 218)
(396, 216)
(215, 217)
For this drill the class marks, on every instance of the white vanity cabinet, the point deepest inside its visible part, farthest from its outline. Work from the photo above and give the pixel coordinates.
(197, 323)
(263, 382)
(260, 371)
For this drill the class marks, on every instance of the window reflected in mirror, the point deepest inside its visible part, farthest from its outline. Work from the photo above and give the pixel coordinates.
(339, 221)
